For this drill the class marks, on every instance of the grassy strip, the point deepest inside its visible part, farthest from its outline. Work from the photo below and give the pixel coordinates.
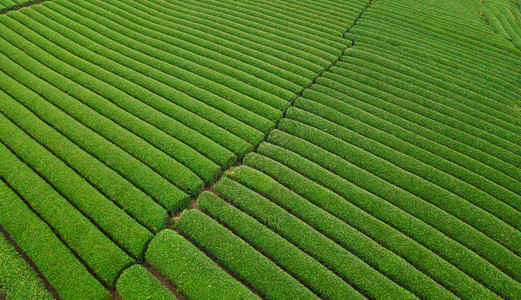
(439, 243)
(192, 272)
(351, 268)
(304, 55)
(357, 230)
(136, 283)
(423, 209)
(250, 111)
(488, 106)
(284, 57)
(17, 279)
(310, 272)
(445, 159)
(350, 97)
(240, 258)
(114, 222)
(456, 129)
(181, 93)
(319, 46)
(104, 257)
(152, 183)
(233, 46)
(203, 167)
(234, 78)
(229, 84)
(221, 51)
(66, 274)
(502, 132)
(135, 202)
(151, 108)
(85, 89)
(402, 160)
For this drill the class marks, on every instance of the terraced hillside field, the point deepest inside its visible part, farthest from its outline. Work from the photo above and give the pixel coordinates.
(229, 149)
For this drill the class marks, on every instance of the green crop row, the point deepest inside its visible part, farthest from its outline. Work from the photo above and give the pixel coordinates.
(456, 129)
(329, 33)
(453, 96)
(238, 105)
(116, 224)
(232, 46)
(438, 242)
(345, 264)
(192, 272)
(418, 124)
(442, 68)
(182, 93)
(419, 198)
(423, 34)
(8, 5)
(295, 261)
(74, 82)
(59, 266)
(340, 220)
(136, 283)
(18, 280)
(240, 258)
(451, 162)
(103, 257)
(342, 141)
(308, 56)
(314, 43)
(505, 23)
(205, 168)
(217, 49)
(425, 45)
(288, 58)
(165, 115)
(267, 92)
(488, 121)
(162, 47)
(143, 177)
(135, 202)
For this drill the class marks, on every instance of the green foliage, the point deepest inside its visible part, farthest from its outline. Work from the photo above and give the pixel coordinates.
(433, 239)
(56, 262)
(192, 272)
(357, 231)
(292, 259)
(18, 281)
(116, 158)
(104, 213)
(136, 283)
(239, 257)
(103, 257)
(352, 269)
(132, 200)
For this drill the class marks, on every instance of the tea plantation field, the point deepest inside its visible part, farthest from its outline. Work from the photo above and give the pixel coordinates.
(231, 149)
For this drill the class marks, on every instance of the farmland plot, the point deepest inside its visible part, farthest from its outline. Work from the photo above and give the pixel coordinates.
(263, 149)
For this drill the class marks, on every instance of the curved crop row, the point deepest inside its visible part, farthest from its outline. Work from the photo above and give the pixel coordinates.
(442, 245)
(172, 170)
(346, 265)
(239, 257)
(136, 283)
(321, 207)
(116, 224)
(156, 186)
(192, 272)
(59, 266)
(18, 280)
(127, 196)
(104, 257)
(293, 260)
